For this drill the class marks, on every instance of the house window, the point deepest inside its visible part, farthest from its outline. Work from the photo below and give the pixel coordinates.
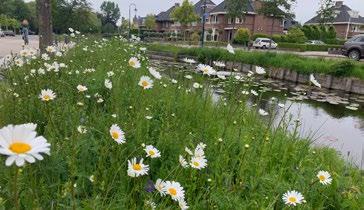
(237, 20)
(215, 19)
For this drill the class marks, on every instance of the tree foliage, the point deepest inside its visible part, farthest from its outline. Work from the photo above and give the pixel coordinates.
(110, 13)
(296, 35)
(150, 22)
(185, 14)
(237, 8)
(242, 36)
(326, 11)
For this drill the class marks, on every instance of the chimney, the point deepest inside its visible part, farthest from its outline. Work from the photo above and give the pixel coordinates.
(338, 4)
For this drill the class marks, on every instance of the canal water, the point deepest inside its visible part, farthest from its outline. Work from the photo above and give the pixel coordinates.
(328, 118)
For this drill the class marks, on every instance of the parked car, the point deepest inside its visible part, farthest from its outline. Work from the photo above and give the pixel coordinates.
(315, 42)
(9, 33)
(354, 47)
(264, 43)
(1, 33)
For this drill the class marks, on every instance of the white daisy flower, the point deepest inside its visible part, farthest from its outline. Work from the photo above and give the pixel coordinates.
(198, 162)
(219, 64)
(221, 76)
(230, 49)
(196, 85)
(314, 81)
(175, 190)
(134, 62)
(293, 198)
(324, 177)
(152, 151)
(21, 144)
(117, 134)
(19, 62)
(183, 204)
(183, 162)
(108, 84)
(159, 186)
(148, 117)
(174, 81)
(260, 70)
(47, 95)
(45, 56)
(188, 151)
(206, 69)
(155, 73)
(188, 77)
(81, 88)
(263, 113)
(145, 82)
(136, 169)
(51, 49)
(82, 129)
(254, 92)
(110, 73)
(71, 30)
(189, 61)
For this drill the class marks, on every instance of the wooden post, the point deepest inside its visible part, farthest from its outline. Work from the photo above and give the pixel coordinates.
(44, 13)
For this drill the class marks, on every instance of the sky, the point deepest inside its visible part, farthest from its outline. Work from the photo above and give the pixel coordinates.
(305, 9)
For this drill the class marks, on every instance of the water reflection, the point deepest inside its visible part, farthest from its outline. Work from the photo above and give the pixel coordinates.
(322, 113)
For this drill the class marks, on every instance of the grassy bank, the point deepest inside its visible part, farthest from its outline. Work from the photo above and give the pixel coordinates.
(249, 165)
(270, 60)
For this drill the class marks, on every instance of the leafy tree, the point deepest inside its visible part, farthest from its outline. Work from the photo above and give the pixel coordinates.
(276, 9)
(76, 14)
(326, 11)
(150, 22)
(110, 13)
(242, 36)
(331, 34)
(236, 9)
(185, 15)
(296, 35)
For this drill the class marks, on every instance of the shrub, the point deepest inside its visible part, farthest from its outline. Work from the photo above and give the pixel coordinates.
(343, 68)
(259, 35)
(195, 37)
(242, 36)
(279, 38)
(296, 35)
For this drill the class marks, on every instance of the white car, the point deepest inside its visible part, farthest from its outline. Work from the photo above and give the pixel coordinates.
(264, 43)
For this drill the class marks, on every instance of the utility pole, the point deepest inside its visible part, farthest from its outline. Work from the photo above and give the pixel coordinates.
(44, 14)
(203, 24)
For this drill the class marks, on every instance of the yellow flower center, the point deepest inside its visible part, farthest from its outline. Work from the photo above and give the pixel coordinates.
(131, 63)
(151, 152)
(322, 178)
(137, 167)
(172, 191)
(46, 98)
(196, 164)
(145, 83)
(115, 135)
(292, 199)
(20, 148)
(205, 70)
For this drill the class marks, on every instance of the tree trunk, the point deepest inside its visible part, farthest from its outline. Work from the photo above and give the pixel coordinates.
(271, 34)
(232, 32)
(44, 13)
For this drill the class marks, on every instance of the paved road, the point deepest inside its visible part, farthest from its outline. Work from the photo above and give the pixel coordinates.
(15, 44)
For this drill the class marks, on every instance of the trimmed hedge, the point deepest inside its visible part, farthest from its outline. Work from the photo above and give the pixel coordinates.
(269, 59)
(306, 47)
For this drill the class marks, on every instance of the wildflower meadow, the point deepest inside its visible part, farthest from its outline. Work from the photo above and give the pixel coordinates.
(93, 125)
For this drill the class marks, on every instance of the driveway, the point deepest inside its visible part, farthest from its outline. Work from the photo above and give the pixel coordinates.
(15, 44)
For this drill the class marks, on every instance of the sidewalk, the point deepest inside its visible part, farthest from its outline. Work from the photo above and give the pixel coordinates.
(15, 44)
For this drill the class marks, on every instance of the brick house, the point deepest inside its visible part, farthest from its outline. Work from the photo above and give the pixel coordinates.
(347, 22)
(218, 26)
(221, 26)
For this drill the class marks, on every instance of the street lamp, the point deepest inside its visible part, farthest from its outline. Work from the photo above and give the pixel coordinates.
(135, 9)
(203, 23)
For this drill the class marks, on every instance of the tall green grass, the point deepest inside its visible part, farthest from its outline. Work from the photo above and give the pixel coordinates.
(268, 59)
(250, 165)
